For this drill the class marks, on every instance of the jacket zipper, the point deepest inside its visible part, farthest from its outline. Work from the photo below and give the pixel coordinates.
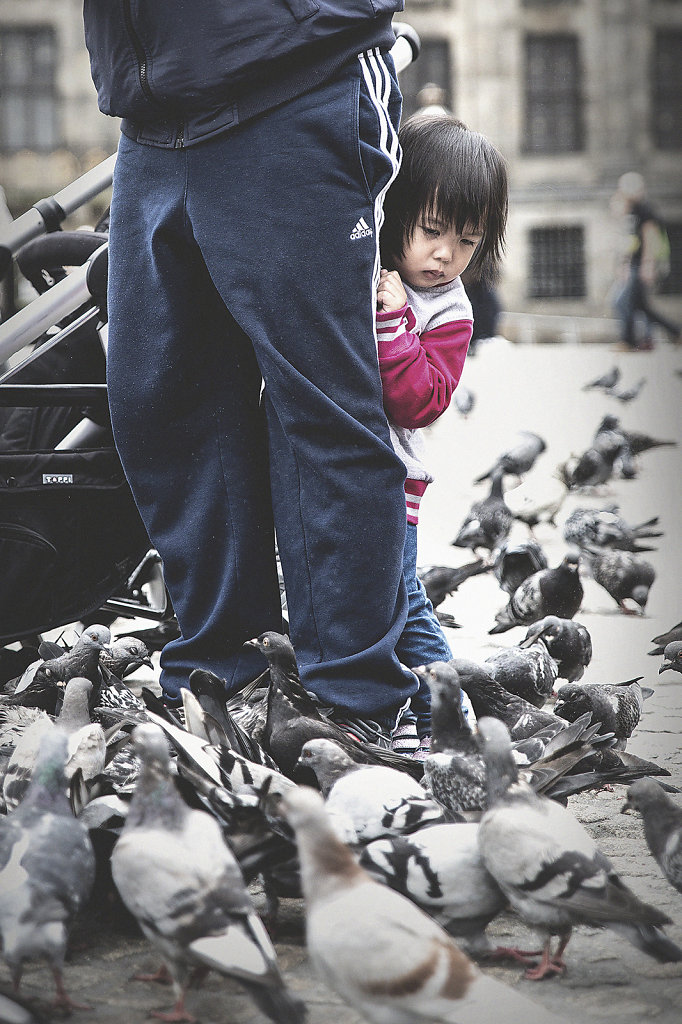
(139, 53)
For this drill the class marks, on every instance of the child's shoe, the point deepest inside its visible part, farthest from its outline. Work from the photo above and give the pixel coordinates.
(423, 750)
(404, 739)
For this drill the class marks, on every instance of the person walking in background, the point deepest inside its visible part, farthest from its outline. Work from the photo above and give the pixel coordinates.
(445, 212)
(647, 252)
(258, 141)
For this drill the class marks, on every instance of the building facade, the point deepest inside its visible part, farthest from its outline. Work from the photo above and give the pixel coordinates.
(573, 92)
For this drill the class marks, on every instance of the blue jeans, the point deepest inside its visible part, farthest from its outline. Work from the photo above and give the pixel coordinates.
(253, 257)
(423, 640)
(633, 303)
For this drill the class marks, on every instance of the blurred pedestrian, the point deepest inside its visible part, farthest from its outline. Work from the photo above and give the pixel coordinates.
(646, 262)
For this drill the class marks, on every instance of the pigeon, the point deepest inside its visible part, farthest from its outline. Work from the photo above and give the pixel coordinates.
(293, 716)
(442, 580)
(662, 819)
(368, 801)
(125, 655)
(42, 681)
(382, 954)
(626, 394)
(47, 868)
(440, 869)
(617, 706)
(515, 562)
(568, 642)
(622, 575)
(636, 441)
(605, 381)
(663, 639)
(464, 399)
(518, 459)
(528, 671)
(180, 881)
(488, 522)
(453, 770)
(596, 464)
(86, 743)
(672, 657)
(557, 876)
(521, 717)
(554, 591)
(534, 502)
(605, 528)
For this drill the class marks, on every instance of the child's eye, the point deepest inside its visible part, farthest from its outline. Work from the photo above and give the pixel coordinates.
(431, 232)
(469, 241)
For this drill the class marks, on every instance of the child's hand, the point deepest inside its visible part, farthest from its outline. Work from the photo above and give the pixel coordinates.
(391, 295)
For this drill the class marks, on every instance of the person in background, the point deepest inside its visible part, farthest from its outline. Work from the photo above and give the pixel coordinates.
(258, 141)
(445, 212)
(647, 253)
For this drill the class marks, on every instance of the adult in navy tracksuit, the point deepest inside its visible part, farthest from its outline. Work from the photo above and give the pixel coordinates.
(258, 141)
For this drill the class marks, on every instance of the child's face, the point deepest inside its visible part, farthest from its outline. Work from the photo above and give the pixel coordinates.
(436, 254)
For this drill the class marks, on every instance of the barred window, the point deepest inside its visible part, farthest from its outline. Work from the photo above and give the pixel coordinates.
(666, 89)
(28, 109)
(557, 263)
(672, 283)
(553, 97)
(434, 66)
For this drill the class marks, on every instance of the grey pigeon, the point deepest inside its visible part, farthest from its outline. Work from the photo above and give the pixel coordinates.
(528, 671)
(663, 639)
(568, 642)
(554, 591)
(47, 868)
(180, 881)
(453, 770)
(518, 459)
(672, 657)
(464, 400)
(622, 575)
(606, 380)
(662, 819)
(596, 464)
(440, 869)
(487, 522)
(368, 801)
(442, 580)
(626, 394)
(39, 686)
(86, 743)
(618, 706)
(515, 562)
(125, 655)
(605, 528)
(383, 955)
(551, 869)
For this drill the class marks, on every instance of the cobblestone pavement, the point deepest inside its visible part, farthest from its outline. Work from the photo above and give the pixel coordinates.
(535, 388)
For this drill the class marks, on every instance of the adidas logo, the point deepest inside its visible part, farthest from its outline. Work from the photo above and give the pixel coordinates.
(361, 230)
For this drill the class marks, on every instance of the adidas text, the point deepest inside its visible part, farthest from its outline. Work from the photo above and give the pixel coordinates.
(361, 230)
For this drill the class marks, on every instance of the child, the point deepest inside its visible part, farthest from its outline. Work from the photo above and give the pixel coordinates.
(445, 211)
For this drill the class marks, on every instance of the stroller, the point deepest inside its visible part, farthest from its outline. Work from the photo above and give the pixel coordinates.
(72, 544)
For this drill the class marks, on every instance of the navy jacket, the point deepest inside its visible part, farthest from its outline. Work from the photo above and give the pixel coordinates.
(179, 71)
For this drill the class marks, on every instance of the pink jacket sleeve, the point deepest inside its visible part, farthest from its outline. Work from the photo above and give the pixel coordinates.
(419, 373)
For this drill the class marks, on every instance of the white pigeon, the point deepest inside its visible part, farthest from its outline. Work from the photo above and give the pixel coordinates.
(368, 801)
(48, 868)
(182, 883)
(440, 869)
(549, 866)
(383, 955)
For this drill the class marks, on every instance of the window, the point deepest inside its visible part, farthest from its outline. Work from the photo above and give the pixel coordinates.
(28, 109)
(672, 285)
(666, 89)
(553, 103)
(434, 67)
(557, 263)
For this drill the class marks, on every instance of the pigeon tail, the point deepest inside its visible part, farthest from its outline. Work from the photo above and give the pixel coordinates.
(650, 940)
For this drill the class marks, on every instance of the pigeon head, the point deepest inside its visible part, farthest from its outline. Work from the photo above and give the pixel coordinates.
(642, 794)
(672, 657)
(326, 759)
(151, 746)
(303, 808)
(494, 743)
(440, 677)
(572, 703)
(640, 595)
(96, 636)
(276, 647)
(571, 561)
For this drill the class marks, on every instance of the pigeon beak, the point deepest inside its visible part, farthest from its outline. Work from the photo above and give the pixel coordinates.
(627, 806)
(250, 643)
(666, 665)
(148, 662)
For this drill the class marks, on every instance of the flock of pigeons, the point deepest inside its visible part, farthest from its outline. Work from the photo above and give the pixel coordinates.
(402, 864)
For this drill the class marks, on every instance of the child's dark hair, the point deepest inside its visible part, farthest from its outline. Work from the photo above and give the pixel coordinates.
(455, 174)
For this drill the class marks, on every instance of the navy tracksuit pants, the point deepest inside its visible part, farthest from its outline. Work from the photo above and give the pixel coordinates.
(253, 257)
